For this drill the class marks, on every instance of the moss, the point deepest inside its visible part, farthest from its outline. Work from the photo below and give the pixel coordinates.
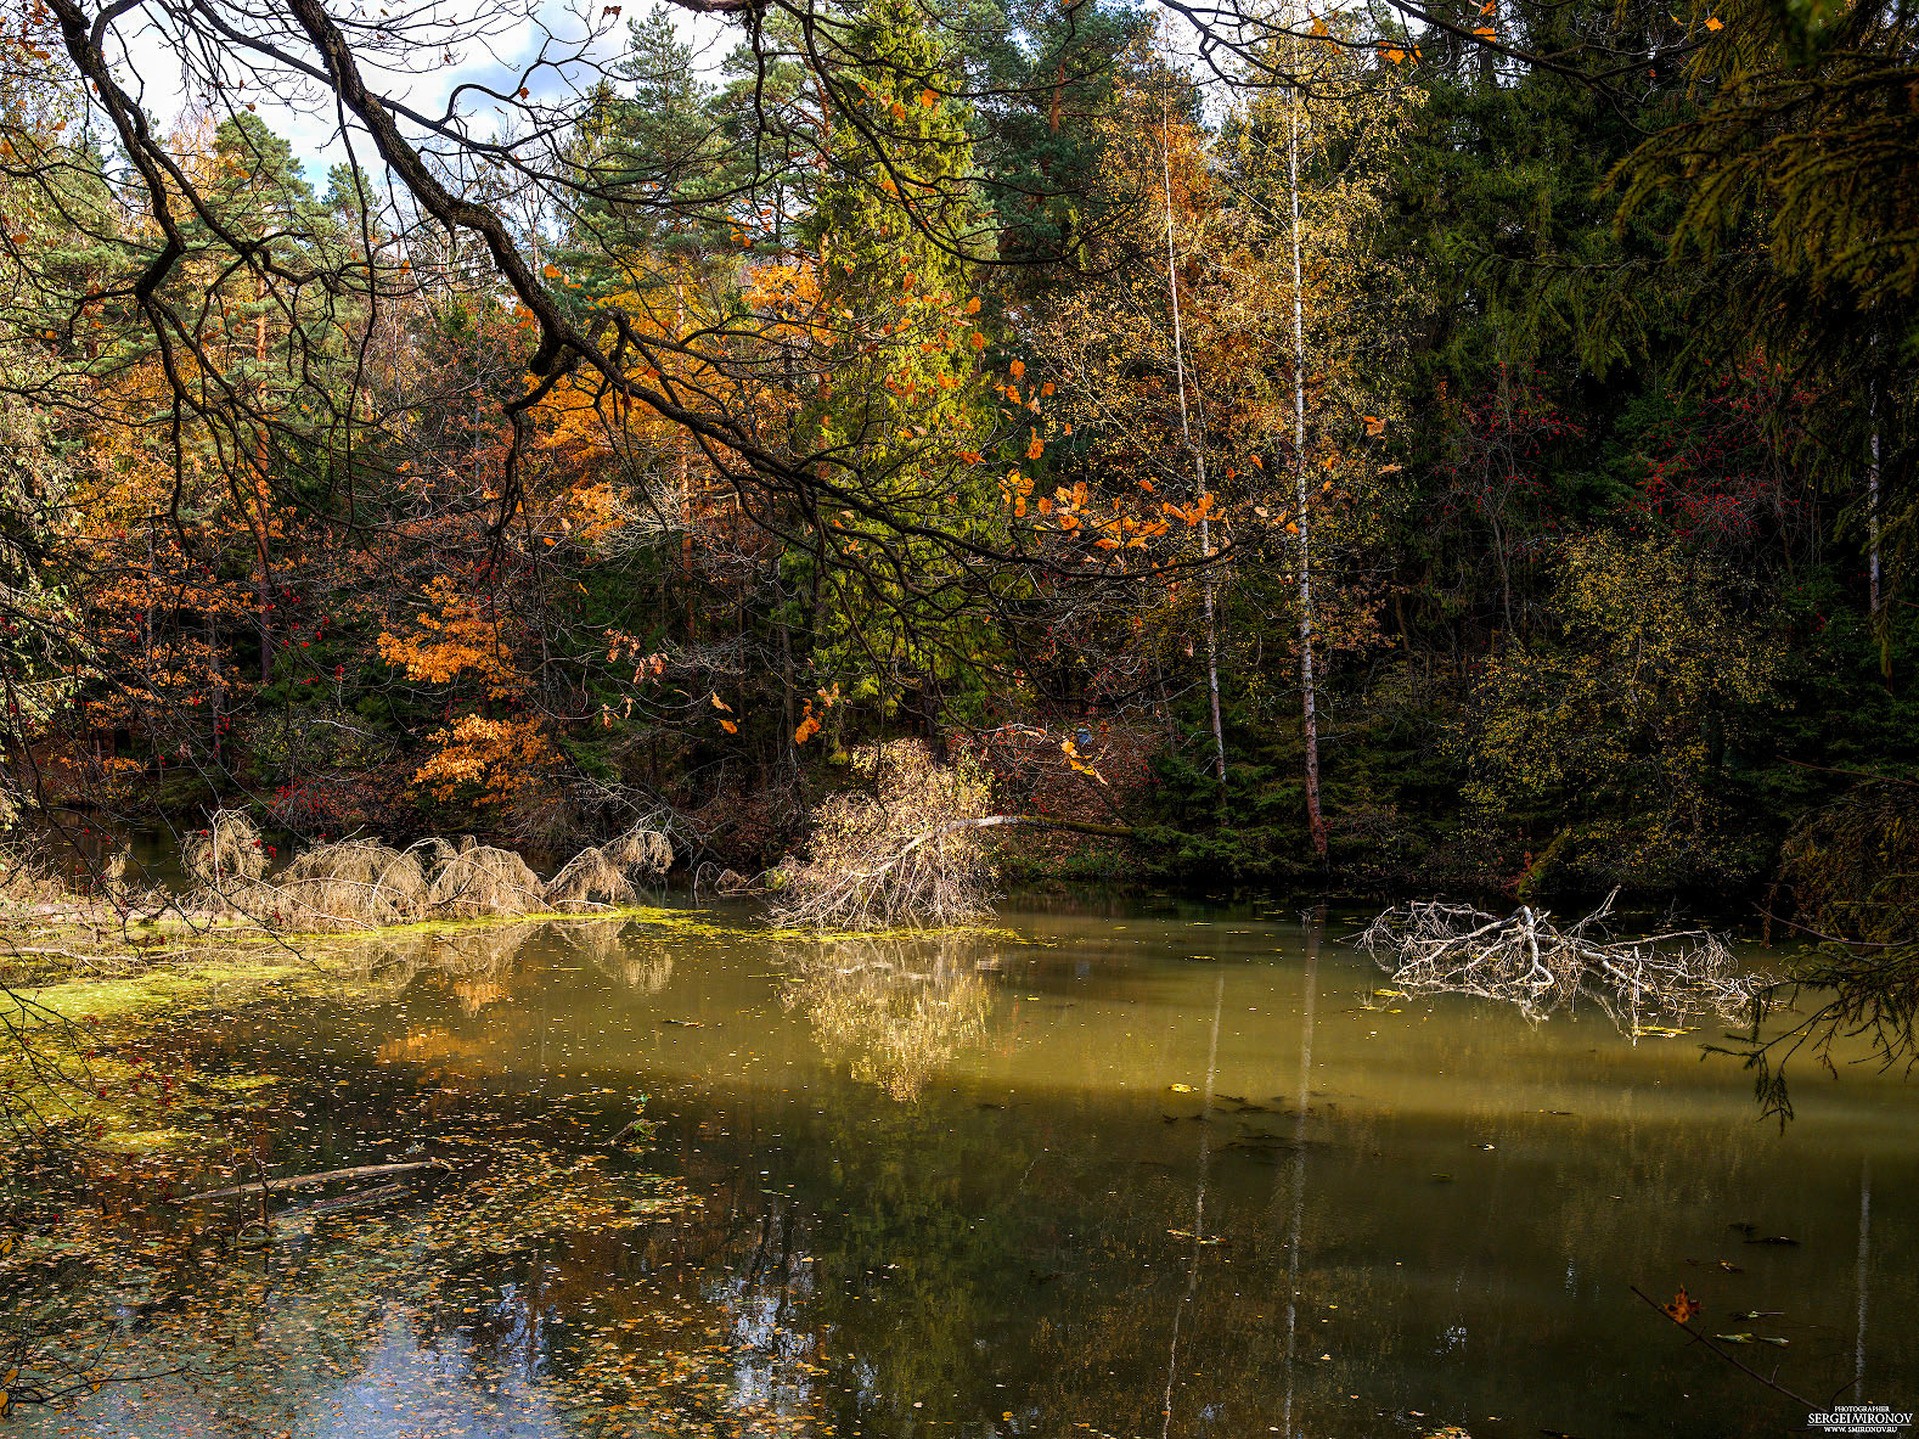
(171, 989)
(144, 1141)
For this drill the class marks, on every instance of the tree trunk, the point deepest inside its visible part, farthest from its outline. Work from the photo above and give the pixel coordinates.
(1309, 717)
(1199, 473)
(1872, 504)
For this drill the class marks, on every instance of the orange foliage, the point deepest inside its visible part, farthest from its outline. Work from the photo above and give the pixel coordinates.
(496, 758)
(461, 640)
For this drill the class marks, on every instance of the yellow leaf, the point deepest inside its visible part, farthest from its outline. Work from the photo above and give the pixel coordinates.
(972, 305)
(1713, 22)
(720, 704)
(1018, 369)
(552, 272)
(1486, 32)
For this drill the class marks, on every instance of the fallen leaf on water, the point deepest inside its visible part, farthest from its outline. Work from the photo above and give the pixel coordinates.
(1683, 1307)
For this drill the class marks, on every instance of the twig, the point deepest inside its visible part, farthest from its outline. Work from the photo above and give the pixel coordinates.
(1698, 1338)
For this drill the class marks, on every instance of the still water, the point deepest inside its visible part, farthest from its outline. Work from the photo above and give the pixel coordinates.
(1113, 1171)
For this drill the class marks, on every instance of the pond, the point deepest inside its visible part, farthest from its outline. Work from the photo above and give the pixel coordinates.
(1110, 1171)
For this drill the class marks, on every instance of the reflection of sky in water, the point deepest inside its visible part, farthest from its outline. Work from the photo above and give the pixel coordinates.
(403, 1388)
(411, 1390)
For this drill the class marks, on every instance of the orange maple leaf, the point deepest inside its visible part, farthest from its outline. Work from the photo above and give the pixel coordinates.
(1683, 1307)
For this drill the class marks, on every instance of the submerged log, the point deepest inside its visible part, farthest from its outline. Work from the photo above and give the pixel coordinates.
(313, 1181)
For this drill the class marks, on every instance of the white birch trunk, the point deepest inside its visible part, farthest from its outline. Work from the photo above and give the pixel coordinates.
(1309, 717)
(1199, 470)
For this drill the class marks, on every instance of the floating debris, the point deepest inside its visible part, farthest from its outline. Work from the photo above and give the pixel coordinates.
(1647, 986)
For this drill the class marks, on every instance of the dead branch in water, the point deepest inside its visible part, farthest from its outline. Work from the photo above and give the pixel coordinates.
(314, 1181)
(910, 851)
(1644, 985)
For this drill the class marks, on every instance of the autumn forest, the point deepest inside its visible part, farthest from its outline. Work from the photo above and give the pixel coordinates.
(1355, 449)
(707, 711)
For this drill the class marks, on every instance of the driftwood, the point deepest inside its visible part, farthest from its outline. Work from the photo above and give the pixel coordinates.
(1648, 985)
(314, 1181)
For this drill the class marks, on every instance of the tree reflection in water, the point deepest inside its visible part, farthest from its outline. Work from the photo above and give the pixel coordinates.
(894, 1011)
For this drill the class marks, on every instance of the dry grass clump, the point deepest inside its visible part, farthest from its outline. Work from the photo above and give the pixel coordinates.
(588, 879)
(604, 875)
(641, 850)
(353, 884)
(481, 879)
(908, 851)
(361, 884)
(229, 848)
(1644, 985)
(27, 877)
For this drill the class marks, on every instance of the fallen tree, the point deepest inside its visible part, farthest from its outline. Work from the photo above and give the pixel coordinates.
(908, 851)
(1644, 985)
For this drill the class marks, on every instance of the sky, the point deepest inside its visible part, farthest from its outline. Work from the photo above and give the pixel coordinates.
(151, 69)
